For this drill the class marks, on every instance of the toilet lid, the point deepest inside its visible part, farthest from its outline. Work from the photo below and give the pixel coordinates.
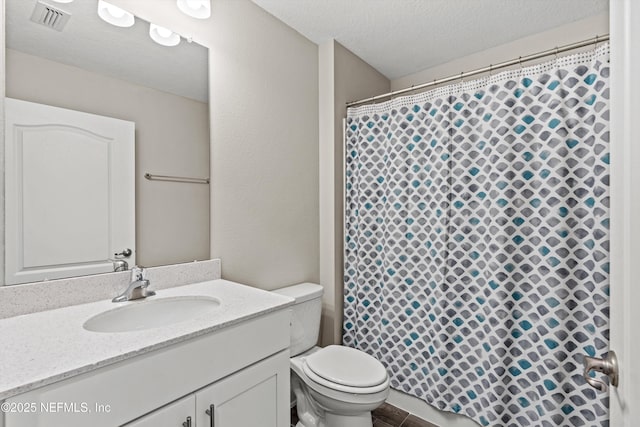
(347, 366)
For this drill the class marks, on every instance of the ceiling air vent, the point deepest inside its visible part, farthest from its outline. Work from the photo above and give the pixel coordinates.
(50, 16)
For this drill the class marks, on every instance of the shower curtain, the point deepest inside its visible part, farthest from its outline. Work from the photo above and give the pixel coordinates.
(477, 242)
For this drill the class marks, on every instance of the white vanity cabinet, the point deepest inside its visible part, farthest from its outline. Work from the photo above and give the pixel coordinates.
(242, 370)
(247, 398)
(177, 414)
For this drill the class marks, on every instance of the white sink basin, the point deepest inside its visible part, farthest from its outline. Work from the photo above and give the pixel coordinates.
(147, 314)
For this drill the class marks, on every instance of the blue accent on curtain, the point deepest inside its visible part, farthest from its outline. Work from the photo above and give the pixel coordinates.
(477, 242)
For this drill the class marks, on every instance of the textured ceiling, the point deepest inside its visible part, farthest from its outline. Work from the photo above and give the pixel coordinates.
(401, 37)
(125, 53)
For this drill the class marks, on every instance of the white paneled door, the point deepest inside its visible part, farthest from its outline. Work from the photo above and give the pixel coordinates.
(625, 209)
(70, 192)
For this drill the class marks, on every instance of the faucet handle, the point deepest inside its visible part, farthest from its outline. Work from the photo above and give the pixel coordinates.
(141, 290)
(137, 273)
(138, 287)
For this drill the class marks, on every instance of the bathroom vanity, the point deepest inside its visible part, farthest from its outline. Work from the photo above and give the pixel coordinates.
(201, 371)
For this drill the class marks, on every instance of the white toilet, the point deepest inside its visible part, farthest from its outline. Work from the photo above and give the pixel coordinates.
(334, 386)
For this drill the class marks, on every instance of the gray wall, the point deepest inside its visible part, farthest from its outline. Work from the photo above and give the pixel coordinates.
(264, 139)
(264, 88)
(343, 77)
(172, 138)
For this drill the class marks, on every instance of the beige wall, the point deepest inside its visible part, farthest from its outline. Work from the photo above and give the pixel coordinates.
(566, 34)
(264, 147)
(343, 77)
(172, 138)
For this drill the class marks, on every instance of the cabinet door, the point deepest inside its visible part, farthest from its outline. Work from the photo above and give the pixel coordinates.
(255, 396)
(176, 414)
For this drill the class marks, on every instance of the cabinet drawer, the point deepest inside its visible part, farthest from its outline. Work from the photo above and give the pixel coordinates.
(172, 415)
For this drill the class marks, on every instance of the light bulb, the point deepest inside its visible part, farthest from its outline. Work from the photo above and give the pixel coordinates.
(114, 15)
(116, 12)
(200, 9)
(163, 32)
(163, 36)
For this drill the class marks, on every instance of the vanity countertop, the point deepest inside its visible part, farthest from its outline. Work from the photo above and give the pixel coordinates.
(46, 347)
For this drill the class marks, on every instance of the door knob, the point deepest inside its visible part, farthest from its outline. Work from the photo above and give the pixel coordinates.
(607, 365)
(125, 253)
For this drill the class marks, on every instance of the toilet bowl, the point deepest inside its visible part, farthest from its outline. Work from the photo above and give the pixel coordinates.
(334, 386)
(340, 389)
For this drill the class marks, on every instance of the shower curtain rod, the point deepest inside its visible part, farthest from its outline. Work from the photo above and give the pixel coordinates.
(490, 68)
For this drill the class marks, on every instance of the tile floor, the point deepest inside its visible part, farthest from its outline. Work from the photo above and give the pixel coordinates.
(386, 416)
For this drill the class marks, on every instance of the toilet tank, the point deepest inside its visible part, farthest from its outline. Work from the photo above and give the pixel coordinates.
(305, 319)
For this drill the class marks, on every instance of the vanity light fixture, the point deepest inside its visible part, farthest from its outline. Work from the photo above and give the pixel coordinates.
(163, 35)
(200, 9)
(114, 15)
(63, 1)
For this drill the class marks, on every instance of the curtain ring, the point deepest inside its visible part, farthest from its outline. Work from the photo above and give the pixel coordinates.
(595, 45)
(461, 79)
(556, 52)
(490, 70)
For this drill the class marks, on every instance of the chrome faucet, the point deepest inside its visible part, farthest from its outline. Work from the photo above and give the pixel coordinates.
(137, 289)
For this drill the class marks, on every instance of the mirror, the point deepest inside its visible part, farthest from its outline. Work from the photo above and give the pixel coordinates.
(91, 66)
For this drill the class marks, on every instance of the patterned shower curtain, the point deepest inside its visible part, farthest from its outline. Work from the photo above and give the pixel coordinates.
(477, 242)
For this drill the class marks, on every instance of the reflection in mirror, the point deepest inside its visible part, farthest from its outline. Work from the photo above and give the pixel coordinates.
(93, 108)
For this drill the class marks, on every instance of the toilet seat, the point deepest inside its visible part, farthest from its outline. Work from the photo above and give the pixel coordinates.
(346, 369)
